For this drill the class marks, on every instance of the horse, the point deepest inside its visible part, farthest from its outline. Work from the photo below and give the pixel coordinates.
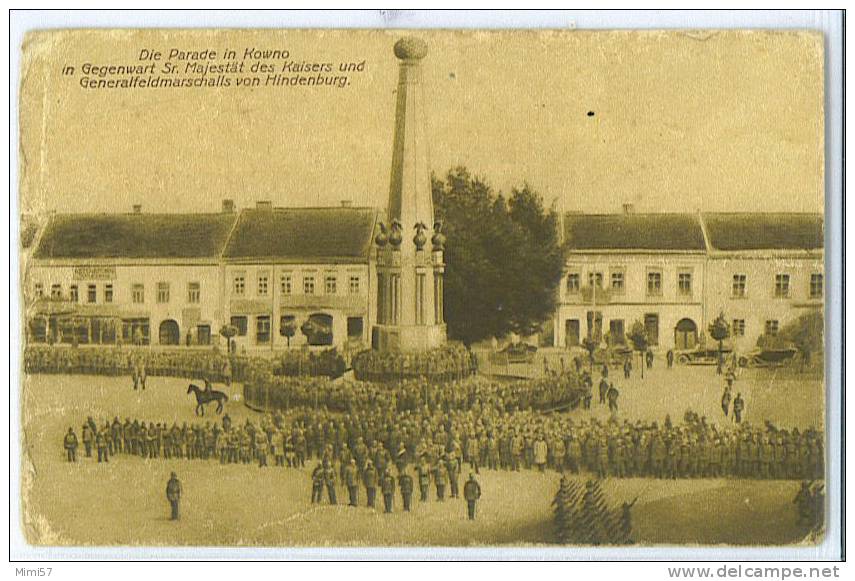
(203, 398)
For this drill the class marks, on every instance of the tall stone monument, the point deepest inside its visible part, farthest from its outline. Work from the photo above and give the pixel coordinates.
(410, 244)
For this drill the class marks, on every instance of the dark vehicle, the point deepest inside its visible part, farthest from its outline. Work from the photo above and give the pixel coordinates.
(768, 357)
(700, 356)
(520, 352)
(612, 356)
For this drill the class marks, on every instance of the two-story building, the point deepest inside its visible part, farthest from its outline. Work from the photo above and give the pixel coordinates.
(127, 278)
(764, 270)
(629, 267)
(677, 272)
(301, 276)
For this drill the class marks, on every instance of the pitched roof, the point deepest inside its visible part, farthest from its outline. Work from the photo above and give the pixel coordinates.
(303, 234)
(673, 232)
(135, 236)
(764, 231)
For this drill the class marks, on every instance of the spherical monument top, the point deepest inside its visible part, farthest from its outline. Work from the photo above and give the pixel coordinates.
(410, 48)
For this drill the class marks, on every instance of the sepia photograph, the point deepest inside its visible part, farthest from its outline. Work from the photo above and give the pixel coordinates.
(293, 288)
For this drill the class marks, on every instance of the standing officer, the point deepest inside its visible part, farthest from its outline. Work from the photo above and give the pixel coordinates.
(738, 407)
(725, 401)
(627, 368)
(670, 358)
(387, 486)
(317, 483)
(405, 481)
(173, 494)
(424, 479)
(369, 478)
(351, 480)
(440, 480)
(453, 477)
(329, 480)
(101, 444)
(88, 439)
(70, 444)
(471, 492)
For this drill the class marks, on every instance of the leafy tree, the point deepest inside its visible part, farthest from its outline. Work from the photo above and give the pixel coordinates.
(805, 334)
(288, 329)
(504, 258)
(719, 330)
(638, 337)
(228, 331)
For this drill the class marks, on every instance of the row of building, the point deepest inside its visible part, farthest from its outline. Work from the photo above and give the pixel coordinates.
(676, 272)
(288, 277)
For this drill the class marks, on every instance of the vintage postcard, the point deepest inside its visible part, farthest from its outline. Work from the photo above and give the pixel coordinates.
(319, 288)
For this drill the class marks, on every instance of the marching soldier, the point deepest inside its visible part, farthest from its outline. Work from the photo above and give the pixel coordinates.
(387, 484)
(173, 494)
(405, 482)
(70, 445)
(472, 493)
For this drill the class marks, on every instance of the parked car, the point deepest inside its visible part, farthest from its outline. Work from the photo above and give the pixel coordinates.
(700, 356)
(520, 352)
(767, 357)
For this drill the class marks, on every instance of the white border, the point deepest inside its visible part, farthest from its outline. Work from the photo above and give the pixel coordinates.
(829, 22)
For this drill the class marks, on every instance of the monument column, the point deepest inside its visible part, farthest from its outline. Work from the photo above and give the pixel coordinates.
(411, 269)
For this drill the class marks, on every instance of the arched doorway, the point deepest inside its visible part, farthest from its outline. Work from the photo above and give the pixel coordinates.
(169, 334)
(685, 334)
(318, 329)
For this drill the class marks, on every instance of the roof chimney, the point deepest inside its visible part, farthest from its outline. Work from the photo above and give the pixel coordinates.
(347, 203)
(137, 208)
(263, 205)
(228, 206)
(628, 208)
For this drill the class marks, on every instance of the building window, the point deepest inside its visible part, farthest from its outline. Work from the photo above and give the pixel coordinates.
(163, 292)
(285, 284)
(239, 284)
(39, 289)
(573, 283)
(55, 292)
(330, 284)
(73, 293)
(239, 323)
(782, 286)
(91, 293)
(618, 282)
(684, 283)
(355, 327)
(138, 293)
(308, 285)
(354, 285)
(595, 278)
(262, 329)
(816, 286)
(738, 327)
(739, 284)
(772, 327)
(194, 292)
(203, 334)
(617, 334)
(262, 284)
(108, 293)
(654, 283)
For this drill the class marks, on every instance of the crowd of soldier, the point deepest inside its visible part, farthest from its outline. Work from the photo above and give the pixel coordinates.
(494, 440)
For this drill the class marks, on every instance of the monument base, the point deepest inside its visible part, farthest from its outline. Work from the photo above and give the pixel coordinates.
(407, 338)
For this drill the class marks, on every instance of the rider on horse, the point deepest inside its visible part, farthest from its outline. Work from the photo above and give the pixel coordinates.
(208, 387)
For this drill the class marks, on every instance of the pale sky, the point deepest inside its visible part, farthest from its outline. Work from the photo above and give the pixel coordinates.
(682, 121)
